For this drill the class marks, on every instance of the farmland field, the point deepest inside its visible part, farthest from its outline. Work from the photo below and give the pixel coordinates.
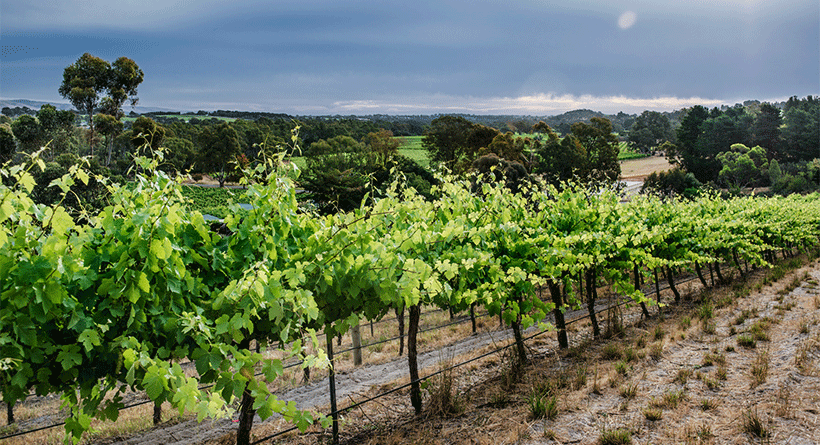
(639, 169)
(411, 147)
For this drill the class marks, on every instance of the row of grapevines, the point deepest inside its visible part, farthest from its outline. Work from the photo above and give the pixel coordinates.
(115, 302)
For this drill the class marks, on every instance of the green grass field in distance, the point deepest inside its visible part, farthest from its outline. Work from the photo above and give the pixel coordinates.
(410, 142)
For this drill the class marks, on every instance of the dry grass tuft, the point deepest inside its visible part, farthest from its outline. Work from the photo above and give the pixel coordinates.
(443, 398)
(618, 436)
(752, 424)
(760, 368)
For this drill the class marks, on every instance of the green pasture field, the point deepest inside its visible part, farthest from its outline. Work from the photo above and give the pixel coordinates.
(412, 148)
(420, 156)
(626, 152)
(410, 142)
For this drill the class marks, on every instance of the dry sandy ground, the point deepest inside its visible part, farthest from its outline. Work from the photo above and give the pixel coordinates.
(715, 374)
(639, 169)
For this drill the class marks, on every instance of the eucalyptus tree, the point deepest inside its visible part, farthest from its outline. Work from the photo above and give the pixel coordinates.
(92, 83)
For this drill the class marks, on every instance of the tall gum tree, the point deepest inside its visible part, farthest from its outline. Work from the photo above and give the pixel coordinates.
(86, 81)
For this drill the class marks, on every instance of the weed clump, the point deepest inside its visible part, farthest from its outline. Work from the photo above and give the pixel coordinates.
(443, 400)
(618, 436)
(752, 424)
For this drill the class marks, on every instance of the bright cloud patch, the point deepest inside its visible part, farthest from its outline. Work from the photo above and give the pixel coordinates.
(539, 104)
(626, 20)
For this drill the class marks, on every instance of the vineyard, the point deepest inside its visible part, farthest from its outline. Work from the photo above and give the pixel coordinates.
(98, 306)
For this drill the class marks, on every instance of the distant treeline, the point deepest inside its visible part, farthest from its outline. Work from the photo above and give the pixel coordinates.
(734, 147)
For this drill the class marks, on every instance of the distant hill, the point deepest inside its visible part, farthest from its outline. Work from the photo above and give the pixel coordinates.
(35, 105)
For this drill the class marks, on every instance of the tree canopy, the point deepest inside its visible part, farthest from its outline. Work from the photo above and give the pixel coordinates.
(455, 142)
(650, 130)
(220, 146)
(89, 78)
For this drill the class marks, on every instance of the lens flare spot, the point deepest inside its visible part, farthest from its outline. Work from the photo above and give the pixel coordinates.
(627, 19)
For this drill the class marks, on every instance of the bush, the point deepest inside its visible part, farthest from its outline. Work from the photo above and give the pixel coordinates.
(90, 196)
(675, 182)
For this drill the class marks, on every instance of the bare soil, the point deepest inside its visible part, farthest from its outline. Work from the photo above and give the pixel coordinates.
(639, 169)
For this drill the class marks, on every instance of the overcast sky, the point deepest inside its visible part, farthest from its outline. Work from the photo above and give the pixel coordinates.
(422, 57)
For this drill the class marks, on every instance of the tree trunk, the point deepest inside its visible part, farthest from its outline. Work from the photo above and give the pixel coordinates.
(9, 413)
(737, 263)
(412, 332)
(157, 413)
(670, 278)
(719, 275)
(700, 274)
(637, 276)
(591, 296)
(331, 378)
(91, 129)
(472, 317)
(658, 292)
(246, 413)
(711, 274)
(356, 334)
(110, 148)
(560, 324)
(400, 318)
(519, 339)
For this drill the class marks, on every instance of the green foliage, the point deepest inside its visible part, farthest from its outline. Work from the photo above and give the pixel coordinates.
(743, 166)
(775, 174)
(383, 145)
(7, 144)
(799, 177)
(491, 168)
(801, 132)
(219, 148)
(454, 142)
(338, 173)
(147, 134)
(209, 200)
(766, 130)
(618, 436)
(125, 293)
(28, 132)
(179, 155)
(588, 155)
(511, 148)
(89, 77)
(675, 182)
(542, 406)
(650, 130)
